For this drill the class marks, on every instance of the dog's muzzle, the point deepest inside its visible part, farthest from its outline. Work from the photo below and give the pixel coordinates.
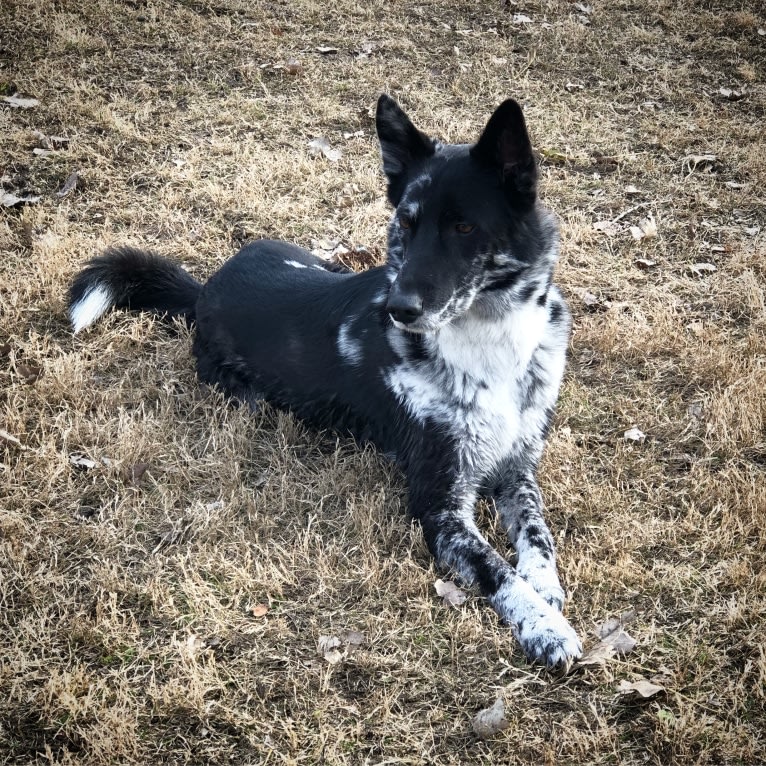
(404, 306)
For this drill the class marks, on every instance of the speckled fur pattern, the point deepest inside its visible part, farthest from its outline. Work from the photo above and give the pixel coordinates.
(448, 358)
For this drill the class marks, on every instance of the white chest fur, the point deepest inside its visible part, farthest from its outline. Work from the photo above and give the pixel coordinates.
(480, 383)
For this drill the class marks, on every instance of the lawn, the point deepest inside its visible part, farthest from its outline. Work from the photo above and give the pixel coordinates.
(184, 581)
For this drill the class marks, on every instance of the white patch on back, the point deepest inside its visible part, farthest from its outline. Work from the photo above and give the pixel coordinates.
(296, 264)
(348, 347)
(96, 301)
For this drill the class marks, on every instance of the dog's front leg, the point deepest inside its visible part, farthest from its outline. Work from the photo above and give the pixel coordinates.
(446, 514)
(520, 507)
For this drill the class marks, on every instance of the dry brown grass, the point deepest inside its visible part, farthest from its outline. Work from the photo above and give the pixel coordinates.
(127, 631)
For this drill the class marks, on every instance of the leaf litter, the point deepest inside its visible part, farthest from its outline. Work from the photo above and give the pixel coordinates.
(450, 593)
(490, 721)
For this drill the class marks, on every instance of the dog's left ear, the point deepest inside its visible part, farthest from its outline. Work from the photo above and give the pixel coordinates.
(401, 144)
(505, 145)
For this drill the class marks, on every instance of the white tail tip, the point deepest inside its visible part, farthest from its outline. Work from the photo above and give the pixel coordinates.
(96, 301)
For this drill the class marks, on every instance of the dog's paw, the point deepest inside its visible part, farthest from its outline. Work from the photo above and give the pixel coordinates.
(546, 584)
(548, 639)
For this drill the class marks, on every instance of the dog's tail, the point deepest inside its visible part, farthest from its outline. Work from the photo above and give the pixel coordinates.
(125, 277)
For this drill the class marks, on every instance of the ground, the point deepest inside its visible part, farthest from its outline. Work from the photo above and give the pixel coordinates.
(186, 582)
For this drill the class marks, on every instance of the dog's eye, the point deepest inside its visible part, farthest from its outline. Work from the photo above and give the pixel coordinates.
(405, 222)
(464, 228)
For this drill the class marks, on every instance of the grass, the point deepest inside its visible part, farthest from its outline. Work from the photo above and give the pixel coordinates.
(132, 592)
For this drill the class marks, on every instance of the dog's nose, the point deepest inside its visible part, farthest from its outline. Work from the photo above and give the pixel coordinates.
(404, 306)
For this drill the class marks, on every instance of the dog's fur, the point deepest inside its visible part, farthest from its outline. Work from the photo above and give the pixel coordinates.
(448, 358)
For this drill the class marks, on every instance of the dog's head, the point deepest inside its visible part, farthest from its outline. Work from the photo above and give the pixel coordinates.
(467, 228)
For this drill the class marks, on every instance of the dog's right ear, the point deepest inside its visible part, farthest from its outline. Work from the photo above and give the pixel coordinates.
(401, 144)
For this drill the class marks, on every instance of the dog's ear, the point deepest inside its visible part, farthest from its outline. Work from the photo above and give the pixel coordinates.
(505, 145)
(401, 145)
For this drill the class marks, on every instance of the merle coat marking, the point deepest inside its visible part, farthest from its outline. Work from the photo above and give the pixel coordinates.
(448, 358)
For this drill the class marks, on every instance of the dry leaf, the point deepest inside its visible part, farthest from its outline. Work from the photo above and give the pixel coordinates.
(69, 185)
(645, 263)
(134, 473)
(259, 610)
(293, 66)
(29, 373)
(597, 655)
(520, 18)
(451, 594)
(610, 228)
(642, 687)
(11, 200)
(490, 721)
(583, 8)
(20, 103)
(326, 49)
(731, 95)
(734, 185)
(79, 460)
(592, 301)
(700, 269)
(694, 162)
(646, 229)
(634, 434)
(571, 86)
(321, 145)
(354, 638)
(631, 190)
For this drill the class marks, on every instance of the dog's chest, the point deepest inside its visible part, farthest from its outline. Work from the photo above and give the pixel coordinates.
(476, 383)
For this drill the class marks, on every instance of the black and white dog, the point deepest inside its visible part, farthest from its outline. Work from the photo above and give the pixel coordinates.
(448, 358)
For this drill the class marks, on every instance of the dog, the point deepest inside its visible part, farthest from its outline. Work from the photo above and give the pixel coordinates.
(448, 358)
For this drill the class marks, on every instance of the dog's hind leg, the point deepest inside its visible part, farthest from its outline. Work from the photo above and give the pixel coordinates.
(520, 507)
(446, 516)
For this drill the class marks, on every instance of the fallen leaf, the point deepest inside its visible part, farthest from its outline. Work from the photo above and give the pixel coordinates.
(597, 655)
(326, 49)
(293, 66)
(592, 301)
(642, 687)
(645, 263)
(694, 162)
(134, 473)
(28, 373)
(42, 152)
(700, 269)
(731, 95)
(20, 103)
(354, 638)
(79, 460)
(326, 643)
(610, 228)
(259, 610)
(570, 86)
(583, 8)
(321, 145)
(11, 200)
(751, 231)
(451, 594)
(69, 185)
(634, 434)
(490, 721)
(630, 190)
(520, 18)
(734, 185)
